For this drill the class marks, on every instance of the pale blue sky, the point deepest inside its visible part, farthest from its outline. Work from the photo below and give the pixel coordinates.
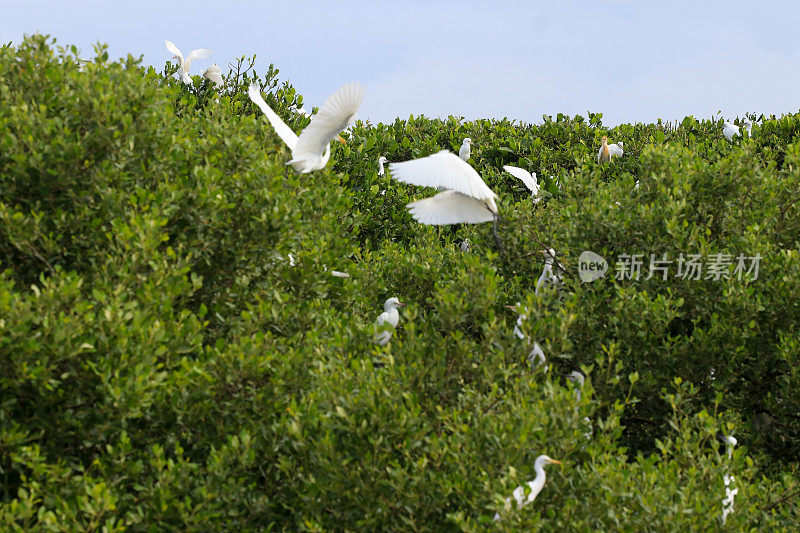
(631, 61)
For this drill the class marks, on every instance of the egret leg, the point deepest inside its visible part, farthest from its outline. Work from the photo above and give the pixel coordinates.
(497, 240)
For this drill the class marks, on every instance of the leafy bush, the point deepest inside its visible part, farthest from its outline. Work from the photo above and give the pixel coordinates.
(177, 355)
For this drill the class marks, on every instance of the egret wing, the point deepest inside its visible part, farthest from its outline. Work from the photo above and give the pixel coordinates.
(442, 169)
(337, 113)
(527, 178)
(382, 319)
(283, 131)
(172, 49)
(200, 53)
(450, 207)
(615, 150)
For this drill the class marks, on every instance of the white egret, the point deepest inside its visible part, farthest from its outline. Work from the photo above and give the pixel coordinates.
(535, 486)
(548, 277)
(312, 149)
(213, 74)
(604, 155)
(465, 245)
(637, 185)
(730, 130)
(616, 149)
(200, 53)
(536, 357)
(528, 178)
(578, 378)
(467, 198)
(381, 161)
(730, 494)
(387, 321)
(748, 126)
(464, 151)
(338, 274)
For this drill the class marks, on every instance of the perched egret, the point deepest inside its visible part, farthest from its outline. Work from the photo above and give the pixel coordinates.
(637, 185)
(730, 494)
(200, 53)
(213, 74)
(548, 277)
(528, 178)
(577, 377)
(381, 161)
(604, 155)
(748, 125)
(467, 198)
(536, 357)
(534, 486)
(465, 245)
(730, 443)
(730, 131)
(312, 149)
(522, 314)
(616, 149)
(387, 321)
(464, 151)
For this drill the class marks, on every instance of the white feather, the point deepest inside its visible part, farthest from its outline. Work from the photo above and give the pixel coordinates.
(529, 179)
(283, 131)
(450, 207)
(337, 113)
(443, 169)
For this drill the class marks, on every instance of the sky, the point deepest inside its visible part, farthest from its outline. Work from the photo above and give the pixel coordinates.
(631, 61)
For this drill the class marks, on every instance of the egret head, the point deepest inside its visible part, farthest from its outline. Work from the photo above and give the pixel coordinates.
(549, 255)
(577, 376)
(604, 140)
(468, 141)
(621, 144)
(382, 160)
(392, 303)
(545, 460)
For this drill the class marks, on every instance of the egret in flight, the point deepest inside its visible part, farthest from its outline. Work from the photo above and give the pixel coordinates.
(604, 155)
(387, 321)
(548, 277)
(200, 53)
(381, 161)
(528, 178)
(464, 151)
(312, 149)
(213, 74)
(467, 199)
(730, 130)
(534, 486)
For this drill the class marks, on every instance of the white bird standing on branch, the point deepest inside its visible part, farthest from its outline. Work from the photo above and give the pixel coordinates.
(387, 321)
(312, 149)
(464, 151)
(213, 74)
(381, 161)
(748, 126)
(467, 198)
(534, 486)
(200, 53)
(548, 277)
(528, 178)
(730, 131)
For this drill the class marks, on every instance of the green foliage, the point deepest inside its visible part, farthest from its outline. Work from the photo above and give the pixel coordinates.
(176, 355)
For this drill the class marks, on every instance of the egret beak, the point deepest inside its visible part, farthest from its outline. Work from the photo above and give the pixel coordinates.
(340, 139)
(512, 307)
(555, 462)
(401, 304)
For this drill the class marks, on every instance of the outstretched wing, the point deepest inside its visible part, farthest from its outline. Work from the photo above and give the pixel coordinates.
(172, 49)
(450, 207)
(337, 113)
(200, 53)
(528, 179)
(283, 131)
(442, 169)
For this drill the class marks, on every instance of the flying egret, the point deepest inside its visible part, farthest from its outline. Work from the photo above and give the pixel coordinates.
(387, 321)
(213, 74)
(604, 155)
(312, 149)
(381, 161)
(528, 178)
(616, 149)
(548, 277)
(730, 130)
(464, 151)
(534, 486)
(467, 198)
(200, 53)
